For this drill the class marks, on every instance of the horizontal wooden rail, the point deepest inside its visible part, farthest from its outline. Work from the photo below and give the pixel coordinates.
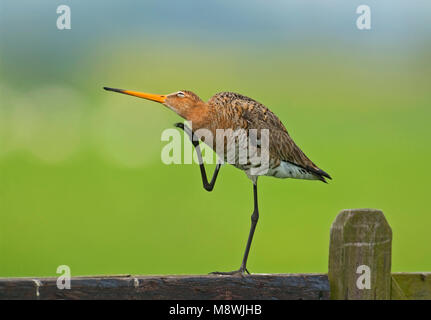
(359, 268)
(259, 286)
(262, 286)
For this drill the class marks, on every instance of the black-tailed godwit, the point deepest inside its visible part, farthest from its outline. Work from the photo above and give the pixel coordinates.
(227, 110)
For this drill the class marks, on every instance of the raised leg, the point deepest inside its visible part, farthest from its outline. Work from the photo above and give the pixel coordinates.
(208, 186)
(254, 219)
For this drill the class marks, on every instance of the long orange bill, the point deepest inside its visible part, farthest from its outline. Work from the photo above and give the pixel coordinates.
(148, 96)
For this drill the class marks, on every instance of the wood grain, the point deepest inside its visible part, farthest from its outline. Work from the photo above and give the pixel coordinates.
(360, 237)
(199, 287)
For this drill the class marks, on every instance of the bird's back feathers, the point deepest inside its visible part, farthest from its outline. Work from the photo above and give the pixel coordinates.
(240, 112)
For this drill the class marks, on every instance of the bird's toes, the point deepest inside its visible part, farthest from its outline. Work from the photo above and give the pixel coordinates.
(239, 272)
(179, 125)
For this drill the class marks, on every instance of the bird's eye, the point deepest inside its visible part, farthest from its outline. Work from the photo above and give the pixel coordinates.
(181, 94)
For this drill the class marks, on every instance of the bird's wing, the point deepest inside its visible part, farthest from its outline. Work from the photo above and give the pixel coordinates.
(281, 145)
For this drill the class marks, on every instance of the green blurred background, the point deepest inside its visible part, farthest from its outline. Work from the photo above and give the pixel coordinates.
(81, 179)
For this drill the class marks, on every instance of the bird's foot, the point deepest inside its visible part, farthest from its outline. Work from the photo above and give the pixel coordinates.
(240, 272)
(179, 125)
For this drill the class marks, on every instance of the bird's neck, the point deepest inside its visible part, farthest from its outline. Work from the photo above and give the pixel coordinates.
(199, 116)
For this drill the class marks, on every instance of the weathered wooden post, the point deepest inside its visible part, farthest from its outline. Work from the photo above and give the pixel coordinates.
(360, 255)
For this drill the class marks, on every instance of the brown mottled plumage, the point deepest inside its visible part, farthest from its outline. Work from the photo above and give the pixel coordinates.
(227, 110)
(233, 110)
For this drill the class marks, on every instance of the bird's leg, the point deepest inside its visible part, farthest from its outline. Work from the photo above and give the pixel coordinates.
(254, 219)
(208, 186)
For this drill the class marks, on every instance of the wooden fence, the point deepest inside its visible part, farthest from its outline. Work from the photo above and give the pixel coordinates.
(359, 268)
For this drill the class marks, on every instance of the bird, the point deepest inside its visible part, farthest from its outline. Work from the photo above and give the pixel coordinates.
(232, 111)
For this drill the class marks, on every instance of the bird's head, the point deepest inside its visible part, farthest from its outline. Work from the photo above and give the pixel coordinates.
(185, 103)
